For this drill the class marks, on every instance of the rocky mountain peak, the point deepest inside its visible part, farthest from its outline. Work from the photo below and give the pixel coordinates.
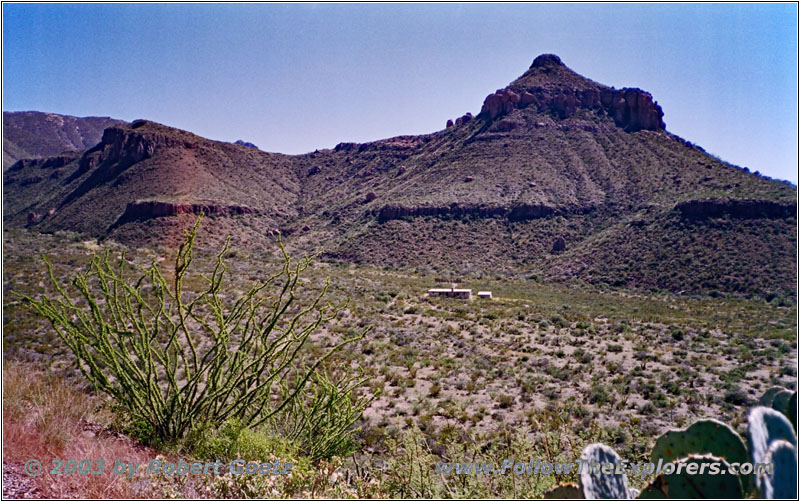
(547, 60)
(550, 87)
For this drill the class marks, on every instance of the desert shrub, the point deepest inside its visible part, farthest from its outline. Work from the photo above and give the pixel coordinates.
(582, 356)
(505, 401)
(599, 394)
(559, 321)
(232, 440)
(736, 396)
(176, 360)
(677, 334)
(673, 388)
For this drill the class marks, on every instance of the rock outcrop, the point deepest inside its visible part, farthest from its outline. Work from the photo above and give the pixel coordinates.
(122, 145)
(499, 103)
(631, 109)
(148, 209)
(735, 208)
(48, 163)
(544, 60)
(245, 143)
(519, 212)
(396, 212)
(345, 146)
(42, 135)
(34, 218)
(464, 118)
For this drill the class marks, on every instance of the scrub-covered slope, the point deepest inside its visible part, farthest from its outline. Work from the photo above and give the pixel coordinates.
(557, 176)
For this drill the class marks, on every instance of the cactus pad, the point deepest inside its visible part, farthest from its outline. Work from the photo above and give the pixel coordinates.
(594, 483)
(567, 491)
(780, 400)
(782, 482)
(766, 399)
(765, 425)
(791, 411)
(704, 436)
(694, 486)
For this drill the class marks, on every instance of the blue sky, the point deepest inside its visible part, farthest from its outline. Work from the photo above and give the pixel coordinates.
(293, 78)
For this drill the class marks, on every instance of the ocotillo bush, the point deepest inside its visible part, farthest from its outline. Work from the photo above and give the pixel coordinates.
(177, 359)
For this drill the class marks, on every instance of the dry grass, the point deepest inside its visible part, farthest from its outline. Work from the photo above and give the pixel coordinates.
(46, 418)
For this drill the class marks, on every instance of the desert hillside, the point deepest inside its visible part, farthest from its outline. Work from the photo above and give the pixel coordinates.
(37, 134)
(556, 176)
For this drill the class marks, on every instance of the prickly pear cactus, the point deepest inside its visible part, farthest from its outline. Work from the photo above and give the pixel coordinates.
(781, 483)
(769, 395)
(791, 411)
(704, 436)
(653, 490)
(722, 485)
(780, 400)
(594, 483)
(764, 426)
(566, 491)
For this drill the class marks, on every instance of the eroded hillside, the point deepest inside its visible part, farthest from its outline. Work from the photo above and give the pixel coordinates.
(557, 176)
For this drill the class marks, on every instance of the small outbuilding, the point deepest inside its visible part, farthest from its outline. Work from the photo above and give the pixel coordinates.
(487, 295)
(440, 292)
(464, 294)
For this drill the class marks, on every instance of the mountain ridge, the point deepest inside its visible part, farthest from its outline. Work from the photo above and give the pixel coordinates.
(552, 157)
(32, 134)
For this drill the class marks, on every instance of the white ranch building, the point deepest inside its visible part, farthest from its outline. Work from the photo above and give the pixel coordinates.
(464, 294)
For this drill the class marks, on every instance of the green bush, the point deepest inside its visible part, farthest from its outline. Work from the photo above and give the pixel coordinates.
(232, 440)
(599, 394)
(320, 421)
(177, 360)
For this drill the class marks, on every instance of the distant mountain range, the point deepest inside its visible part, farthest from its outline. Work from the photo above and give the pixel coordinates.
(557, 176)
(36, 134)
(244, 143)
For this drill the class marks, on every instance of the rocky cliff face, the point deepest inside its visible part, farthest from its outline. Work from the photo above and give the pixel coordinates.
(46, 163)
(127, 146)
(145, 210)
(735, 208)
(518, 212)
(631, 109)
